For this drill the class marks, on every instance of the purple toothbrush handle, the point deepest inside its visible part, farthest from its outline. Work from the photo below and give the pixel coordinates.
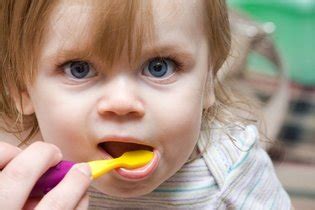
(51, 178)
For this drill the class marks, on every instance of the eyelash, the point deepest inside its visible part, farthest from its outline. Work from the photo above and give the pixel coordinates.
(61, 65)
(179, 65)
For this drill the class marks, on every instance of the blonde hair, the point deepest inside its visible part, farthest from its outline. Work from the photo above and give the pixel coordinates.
(23, 28)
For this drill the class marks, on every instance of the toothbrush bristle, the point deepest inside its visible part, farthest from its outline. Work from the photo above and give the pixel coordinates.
(136, 158)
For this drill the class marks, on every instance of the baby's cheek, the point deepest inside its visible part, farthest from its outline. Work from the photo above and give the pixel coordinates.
(179, 129)
(64, 127)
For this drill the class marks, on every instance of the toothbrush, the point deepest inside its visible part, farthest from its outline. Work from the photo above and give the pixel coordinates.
(130, 160)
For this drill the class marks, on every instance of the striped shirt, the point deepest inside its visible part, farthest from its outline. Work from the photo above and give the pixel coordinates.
(233, 173)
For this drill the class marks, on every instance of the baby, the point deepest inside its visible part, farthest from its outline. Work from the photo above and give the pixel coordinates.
(98, 78)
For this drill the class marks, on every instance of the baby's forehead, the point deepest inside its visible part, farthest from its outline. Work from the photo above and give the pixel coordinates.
(185, 17)
(84, 25)
(77, 16)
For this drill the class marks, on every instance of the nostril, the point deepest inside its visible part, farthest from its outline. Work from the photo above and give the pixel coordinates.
(121, 108)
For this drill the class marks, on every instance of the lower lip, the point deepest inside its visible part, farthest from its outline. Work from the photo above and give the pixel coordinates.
(142, 172)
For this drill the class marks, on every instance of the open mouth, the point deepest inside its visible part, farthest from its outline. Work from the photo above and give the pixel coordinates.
(116, 149)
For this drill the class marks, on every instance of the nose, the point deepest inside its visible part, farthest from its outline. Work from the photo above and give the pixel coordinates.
(120, 97)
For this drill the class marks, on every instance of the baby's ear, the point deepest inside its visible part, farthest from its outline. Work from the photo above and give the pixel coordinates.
(23, 103)
(209, 95)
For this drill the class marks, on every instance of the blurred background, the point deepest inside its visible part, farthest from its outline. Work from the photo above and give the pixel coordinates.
(274, 40)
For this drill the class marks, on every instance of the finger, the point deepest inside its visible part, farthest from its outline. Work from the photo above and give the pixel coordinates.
(84, 203)
(7, 153)
(21, 173)
(68, 193)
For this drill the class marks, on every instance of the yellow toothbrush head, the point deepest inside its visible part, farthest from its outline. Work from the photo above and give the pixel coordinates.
(135, 159)
(130, 160)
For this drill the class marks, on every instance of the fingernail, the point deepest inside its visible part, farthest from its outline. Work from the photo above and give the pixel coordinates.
(84, 168)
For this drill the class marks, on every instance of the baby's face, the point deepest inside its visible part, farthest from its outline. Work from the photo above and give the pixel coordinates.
(91, 112)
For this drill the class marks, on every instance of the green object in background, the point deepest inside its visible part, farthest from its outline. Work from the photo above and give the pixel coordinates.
(294, 35)
(257, 62)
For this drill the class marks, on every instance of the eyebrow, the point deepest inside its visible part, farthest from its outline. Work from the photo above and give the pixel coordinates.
(166, 47)
(67, 54)
(155, 50)
(172, 49)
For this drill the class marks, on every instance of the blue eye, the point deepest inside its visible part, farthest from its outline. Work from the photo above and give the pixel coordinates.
(79, 70)
(159, 68)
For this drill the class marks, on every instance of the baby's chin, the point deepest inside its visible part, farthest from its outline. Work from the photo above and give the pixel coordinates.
(124, 191)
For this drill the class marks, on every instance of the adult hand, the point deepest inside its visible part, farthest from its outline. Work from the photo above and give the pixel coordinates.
(20, 170)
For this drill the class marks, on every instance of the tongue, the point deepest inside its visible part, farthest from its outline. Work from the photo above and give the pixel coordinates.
(116, 149)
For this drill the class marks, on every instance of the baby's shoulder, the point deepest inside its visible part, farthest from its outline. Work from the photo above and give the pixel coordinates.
(243, 170)
(229, 148)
